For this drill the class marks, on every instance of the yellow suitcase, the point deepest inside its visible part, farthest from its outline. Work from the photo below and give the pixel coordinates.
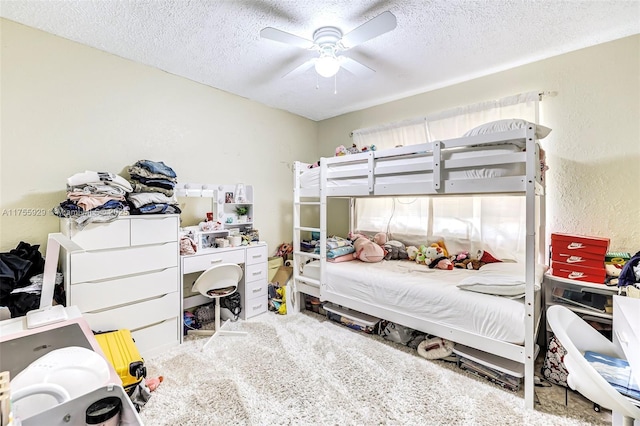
(121, 351)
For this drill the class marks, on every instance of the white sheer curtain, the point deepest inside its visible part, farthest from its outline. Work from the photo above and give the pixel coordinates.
(495, 223)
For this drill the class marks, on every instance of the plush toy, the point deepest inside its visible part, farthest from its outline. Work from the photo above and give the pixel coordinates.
(314, 165)
(380, 238)
(284, 250)
(395, 250)
(456, 258)
(340, 151)
(353, 150)
(486, 257)
(435, 258)
(365, 249)
(412, 252)
(440, 244)
(470, 263)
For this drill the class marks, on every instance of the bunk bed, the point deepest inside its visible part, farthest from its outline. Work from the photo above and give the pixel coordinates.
(492, 162)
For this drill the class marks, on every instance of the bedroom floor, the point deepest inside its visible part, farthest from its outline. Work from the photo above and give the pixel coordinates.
(550, 398)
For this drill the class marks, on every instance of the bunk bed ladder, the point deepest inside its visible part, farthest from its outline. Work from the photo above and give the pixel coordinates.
(300, 284)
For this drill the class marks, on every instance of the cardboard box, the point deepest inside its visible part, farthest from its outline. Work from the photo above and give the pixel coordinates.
(578, 272)
(273, 265)
(587, 259)
(579, 245)
(282, 275)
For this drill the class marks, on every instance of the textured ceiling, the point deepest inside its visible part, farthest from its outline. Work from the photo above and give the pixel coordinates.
(436, 43)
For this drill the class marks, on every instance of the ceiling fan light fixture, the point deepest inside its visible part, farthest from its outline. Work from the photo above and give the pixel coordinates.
(327, 65)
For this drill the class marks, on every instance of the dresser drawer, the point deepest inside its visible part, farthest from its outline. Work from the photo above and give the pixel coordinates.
(256, 273)
(135, 315)
(256, 255)
(255, 288)
(203, 262)
(253, 307)
(97, 236)
(100, 265)
(156, 338)
(153, 230)
(93, 296)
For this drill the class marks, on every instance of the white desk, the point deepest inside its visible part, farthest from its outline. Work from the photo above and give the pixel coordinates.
(253, 286)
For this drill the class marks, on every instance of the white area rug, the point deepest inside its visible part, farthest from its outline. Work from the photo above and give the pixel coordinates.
(303, 370)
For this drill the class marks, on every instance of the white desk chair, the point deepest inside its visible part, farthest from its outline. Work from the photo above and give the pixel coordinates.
(577, 337)
(216, 282)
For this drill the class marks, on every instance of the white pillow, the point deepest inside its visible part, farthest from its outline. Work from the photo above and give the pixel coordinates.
(507, 124)
(496, 284)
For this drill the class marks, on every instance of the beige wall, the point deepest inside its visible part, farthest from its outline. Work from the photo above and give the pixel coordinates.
(67, 108)
(593, 151)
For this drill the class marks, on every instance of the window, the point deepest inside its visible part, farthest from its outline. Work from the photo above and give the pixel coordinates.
(496, 221)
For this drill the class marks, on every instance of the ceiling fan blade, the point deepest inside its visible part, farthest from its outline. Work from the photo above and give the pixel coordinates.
(355, 67)
(284, 37)
(379, 25)
(301, 68)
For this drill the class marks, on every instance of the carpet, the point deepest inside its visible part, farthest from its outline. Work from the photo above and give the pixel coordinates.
(305, 370)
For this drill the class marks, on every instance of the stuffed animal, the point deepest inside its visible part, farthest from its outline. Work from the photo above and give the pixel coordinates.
(395, 250)
(456, 258)
(435, 258)
(353, 149)
(284, 250)
(365, 249)
(486, 257)
(380, 238)
(340, 151)
(440, 244)
(470, 263)
(412, 252)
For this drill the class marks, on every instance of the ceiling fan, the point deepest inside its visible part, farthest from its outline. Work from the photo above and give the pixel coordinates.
(329, 42)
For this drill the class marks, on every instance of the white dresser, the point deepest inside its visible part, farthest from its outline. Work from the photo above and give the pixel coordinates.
(125, 274)
(252, 287)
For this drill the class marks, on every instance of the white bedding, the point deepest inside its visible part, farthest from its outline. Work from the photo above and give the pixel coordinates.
(311, 177)
(431, 294)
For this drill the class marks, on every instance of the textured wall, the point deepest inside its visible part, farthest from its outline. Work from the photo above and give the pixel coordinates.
(593, 151)
(67, 108)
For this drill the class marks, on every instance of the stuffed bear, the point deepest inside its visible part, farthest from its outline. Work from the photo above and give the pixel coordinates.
(365, 249)
(435, 258)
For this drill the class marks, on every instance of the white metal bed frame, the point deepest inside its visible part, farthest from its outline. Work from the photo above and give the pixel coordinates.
(427, 158)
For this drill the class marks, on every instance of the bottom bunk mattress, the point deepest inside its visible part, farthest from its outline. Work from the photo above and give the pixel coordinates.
(434, 295)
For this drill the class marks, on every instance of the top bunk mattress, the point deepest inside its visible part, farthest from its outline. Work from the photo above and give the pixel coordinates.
(432, 294)
(310, 178)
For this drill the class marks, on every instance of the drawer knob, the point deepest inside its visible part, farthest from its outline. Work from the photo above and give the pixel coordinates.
(256, 290)
(255, 308)
(216, 261)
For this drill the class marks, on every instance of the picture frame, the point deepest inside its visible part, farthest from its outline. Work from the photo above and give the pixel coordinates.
(228, 198)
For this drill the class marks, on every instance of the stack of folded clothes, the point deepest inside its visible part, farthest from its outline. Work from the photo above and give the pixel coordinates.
(94, 197)
(153, 188)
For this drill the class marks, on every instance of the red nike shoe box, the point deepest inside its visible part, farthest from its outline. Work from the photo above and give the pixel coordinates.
(576, 258)
(579, 245)
(578, 272)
